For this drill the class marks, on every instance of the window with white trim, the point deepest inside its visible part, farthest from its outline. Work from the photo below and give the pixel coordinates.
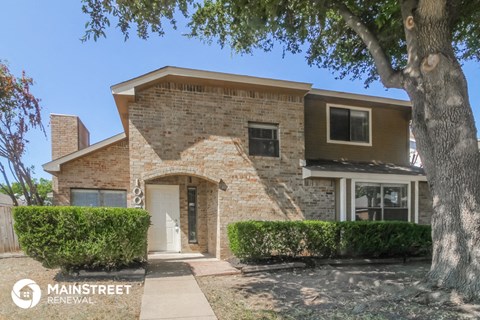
(381, 201)
(98, 198)
(263, 140)
(349, 125)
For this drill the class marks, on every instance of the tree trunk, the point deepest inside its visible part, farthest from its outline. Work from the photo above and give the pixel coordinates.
(8, 187)
(444, 128)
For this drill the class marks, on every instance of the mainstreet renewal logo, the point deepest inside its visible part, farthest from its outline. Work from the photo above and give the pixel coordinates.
(26, 293)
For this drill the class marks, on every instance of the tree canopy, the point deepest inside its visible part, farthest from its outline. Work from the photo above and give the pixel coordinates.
(19, 113)
(315, 28)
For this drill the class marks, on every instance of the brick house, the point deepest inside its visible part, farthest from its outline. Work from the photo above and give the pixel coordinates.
(203, 149)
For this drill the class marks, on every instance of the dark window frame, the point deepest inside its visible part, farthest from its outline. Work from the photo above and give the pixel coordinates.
(259, 144)
(100, 192)
(192, 215)
(348, 125)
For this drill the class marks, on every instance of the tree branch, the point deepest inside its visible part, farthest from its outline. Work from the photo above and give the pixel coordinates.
(389, 77)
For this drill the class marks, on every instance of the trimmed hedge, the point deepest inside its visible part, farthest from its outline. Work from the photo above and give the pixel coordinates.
(264, 239)
(83, 237)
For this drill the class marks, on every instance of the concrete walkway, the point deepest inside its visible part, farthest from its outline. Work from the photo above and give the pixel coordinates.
(171, 291)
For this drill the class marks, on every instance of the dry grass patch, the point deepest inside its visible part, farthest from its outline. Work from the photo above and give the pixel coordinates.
(126, 306)
(350, 292)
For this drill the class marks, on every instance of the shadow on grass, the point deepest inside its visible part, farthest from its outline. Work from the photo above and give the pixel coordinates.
(349, 292)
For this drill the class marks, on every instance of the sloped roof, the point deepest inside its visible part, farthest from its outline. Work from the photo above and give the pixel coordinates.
(345, 169)
(55, 165)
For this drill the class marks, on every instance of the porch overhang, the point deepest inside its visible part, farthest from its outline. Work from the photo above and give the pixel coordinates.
(347, 174)
(341, 169)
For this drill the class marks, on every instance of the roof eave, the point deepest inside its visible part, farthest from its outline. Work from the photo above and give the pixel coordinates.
(56, 165)
(362, 97)
(128, 87)
(311, 173)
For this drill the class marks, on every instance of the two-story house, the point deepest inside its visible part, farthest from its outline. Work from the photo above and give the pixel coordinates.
(203, 149)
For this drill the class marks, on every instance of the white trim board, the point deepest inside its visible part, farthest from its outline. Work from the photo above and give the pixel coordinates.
(308, 173)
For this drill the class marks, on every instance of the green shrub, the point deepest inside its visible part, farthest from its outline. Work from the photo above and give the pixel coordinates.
(83, 237)
(260, 239)
(322, 238)
(247, 239)
(263, 239)
(383, 238)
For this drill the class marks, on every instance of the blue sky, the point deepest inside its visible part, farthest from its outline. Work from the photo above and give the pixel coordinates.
(71, 77)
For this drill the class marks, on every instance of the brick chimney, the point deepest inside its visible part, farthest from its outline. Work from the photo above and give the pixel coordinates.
(68, 135)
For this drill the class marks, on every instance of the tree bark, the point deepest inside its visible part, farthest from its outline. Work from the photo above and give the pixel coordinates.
(444, 128)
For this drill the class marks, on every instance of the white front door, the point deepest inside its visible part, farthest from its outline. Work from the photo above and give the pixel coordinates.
(163, 203)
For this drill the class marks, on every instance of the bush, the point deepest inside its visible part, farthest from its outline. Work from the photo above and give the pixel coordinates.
(83, 237)
(323, 238)
(261, 239)
(384, 239)
(264, 239)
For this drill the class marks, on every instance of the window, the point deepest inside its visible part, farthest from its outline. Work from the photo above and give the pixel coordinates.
(348, 125)
(263, 140)
(379, 201)
(192, 215)
(98, 198)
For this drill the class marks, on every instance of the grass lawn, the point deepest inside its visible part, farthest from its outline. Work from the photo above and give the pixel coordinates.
(348, 292)
(102, 306)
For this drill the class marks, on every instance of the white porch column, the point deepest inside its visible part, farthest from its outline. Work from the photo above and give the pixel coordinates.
(343, 199)
(416, 201)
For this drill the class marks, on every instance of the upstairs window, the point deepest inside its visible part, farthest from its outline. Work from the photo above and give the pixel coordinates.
(263, 140)
(98, 198)
(349, 125)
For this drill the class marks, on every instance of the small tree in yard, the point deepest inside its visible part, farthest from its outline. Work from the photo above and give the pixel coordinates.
(43, 186)
(414, 45)
(19, 112)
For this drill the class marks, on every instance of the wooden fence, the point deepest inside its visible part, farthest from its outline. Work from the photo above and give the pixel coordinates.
(8, 238)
